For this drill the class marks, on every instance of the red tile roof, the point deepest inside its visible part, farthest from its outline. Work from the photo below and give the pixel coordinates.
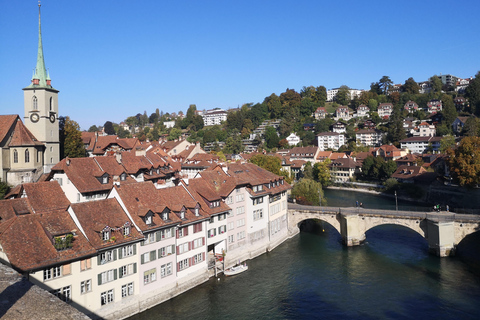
(95, 216)
(83, 173)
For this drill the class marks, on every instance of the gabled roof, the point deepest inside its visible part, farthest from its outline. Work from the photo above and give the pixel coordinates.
(135, 164)
(21, 137)
(96, 216)
(139, 199)
(45, 196)
(11, 208)
(405, 172)
(219, 180)
(28, 241)
(201, 189)
(344, 163)
(6, 123)
(83, 173)
(110, 165)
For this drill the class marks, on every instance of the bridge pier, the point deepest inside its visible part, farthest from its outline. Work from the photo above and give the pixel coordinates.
(352, 230)
(441, 238)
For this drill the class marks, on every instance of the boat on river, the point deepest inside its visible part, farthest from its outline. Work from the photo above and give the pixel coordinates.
(239, 268)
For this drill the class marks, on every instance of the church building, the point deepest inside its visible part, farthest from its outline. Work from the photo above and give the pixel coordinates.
(31, 149)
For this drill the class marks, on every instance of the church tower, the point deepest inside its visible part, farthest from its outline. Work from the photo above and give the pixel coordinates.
(41, 108)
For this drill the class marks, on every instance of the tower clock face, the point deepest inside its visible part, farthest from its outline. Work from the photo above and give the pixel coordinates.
(34, 117)
(52, 118)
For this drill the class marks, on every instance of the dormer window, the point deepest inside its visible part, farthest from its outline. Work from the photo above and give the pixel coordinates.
(148, 219)
(165, 215)
(126, 230)
(104, 179)
(106, 235)
(197, 212)
(182, 214)
(123, 177)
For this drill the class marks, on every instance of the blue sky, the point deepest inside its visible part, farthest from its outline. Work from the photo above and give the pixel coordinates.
(112, 59)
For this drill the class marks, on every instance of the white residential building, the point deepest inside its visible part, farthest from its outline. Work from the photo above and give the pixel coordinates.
(330, 140)
(213, 117)
(293, 139)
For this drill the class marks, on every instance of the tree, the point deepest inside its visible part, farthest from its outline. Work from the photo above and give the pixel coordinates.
(449, 111)
(271, 137)
(443, 130)
(410, 86)
(153, 118)
(472, 93)
(234, 144)
(373, 104)
(274, 106)
(321, 172)
(72, 140)
(464, 161)
(308, 170)
(385, 84)
(447, 142)
(308, 192)
(108, 128)
(436, 83)
(471, 127)
(269, 163)
(4, 189)
(174, 134)
(93, 128)
(343, 95)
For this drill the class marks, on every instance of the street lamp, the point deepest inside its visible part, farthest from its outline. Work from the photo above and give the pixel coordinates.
(396, 201)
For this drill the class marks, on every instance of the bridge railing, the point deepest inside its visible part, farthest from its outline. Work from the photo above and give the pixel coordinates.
(434, 216)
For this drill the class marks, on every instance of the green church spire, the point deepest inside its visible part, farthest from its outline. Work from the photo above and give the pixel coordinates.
(40, 78)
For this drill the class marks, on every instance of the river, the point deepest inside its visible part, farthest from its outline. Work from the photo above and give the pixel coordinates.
(313, 276)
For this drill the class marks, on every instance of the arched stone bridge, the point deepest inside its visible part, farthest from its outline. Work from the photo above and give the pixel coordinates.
(442, 230)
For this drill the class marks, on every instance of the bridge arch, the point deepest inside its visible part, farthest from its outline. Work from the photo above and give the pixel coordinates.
(417, 225)
(296, 217)
(462, 230)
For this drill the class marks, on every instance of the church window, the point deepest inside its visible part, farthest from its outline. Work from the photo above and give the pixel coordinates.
(35, 103)
(27, 156)
(15, 156)
(51, 103)
(38, 156)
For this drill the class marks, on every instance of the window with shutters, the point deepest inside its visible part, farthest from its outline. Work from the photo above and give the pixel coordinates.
(197, 243)
(197, 258)
(148, 256)
(182, 232)
(107, 276)
(212, 233)
(149, 238)
(85, 264)
(183, 248)
(107, 256)
(182, 265)
(127, 270)
(166, 251)
(128, 251)
(222, 229)
(167, 233)
(197, 227)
